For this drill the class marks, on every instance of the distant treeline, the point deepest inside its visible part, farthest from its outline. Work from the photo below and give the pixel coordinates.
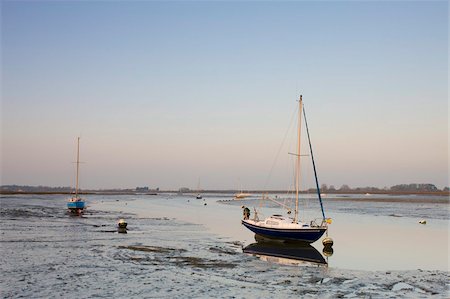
(324, 188)
(47, 189)
(17, 188)
(413, 188)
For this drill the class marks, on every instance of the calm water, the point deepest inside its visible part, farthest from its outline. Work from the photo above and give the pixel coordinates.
(178, 246)
(367, 235)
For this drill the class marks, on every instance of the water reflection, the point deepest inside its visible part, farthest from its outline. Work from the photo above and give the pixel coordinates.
(288, 254)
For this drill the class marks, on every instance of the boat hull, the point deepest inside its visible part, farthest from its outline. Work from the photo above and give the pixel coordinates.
(76, 205)
(306, 235)
(241, 195)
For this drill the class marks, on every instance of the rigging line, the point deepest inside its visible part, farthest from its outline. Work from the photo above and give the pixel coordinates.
(313, 164)
(290, 187)
(279, 149)
(280, 203)
(306, 179)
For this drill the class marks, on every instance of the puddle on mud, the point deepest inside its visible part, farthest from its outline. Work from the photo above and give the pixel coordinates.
(174, 256)
(151, 249)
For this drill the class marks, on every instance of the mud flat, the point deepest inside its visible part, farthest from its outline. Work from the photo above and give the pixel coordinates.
(174, 249)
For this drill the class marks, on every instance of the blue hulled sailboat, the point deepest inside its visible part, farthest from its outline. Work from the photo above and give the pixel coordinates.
(76, 204)
(291, 229)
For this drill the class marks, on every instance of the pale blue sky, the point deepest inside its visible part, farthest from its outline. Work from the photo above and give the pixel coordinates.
(164, 93)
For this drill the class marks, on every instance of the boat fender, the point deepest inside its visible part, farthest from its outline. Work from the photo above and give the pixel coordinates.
(327, 242)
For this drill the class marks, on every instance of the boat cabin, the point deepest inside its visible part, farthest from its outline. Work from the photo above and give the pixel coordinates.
(280, 221)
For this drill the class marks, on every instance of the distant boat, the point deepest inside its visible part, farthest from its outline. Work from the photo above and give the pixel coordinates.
(76, 204)
(286, 228)
(199, 195)
(286, 254)
(241, 194)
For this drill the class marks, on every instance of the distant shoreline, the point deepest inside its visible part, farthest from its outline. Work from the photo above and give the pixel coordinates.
(127, 192)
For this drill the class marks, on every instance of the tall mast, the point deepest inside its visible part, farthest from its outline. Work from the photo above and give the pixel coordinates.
(78, 166)
(297, 169)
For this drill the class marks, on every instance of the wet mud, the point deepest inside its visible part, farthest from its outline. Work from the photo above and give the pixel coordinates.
(47, 253)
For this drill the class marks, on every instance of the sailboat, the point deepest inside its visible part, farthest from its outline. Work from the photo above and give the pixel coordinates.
(199, 195)
(291, 229)
(76, 204)
(241, 194)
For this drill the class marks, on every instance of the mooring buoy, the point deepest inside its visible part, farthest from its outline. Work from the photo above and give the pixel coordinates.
(122, 223)
(423, 221)
(122, 226)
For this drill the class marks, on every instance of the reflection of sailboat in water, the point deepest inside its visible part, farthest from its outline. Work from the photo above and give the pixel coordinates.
(76, 204)
(290, 254)
(286, 228)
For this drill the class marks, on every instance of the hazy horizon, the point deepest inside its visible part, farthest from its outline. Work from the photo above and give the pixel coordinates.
(164, 94)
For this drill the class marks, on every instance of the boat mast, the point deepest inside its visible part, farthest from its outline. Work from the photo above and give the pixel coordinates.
(78, 166)
(297, 169)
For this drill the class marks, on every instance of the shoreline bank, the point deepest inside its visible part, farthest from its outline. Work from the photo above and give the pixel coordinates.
(230, 192)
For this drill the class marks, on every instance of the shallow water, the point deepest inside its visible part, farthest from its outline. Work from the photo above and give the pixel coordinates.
(177, 246)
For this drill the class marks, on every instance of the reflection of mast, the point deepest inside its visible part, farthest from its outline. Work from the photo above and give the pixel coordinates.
(78, 167)
(297, 169)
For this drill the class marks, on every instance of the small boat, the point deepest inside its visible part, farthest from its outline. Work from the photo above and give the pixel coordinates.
(76, 204)
(286, 254)
(291, 229)
(199, 195)
(241, 195)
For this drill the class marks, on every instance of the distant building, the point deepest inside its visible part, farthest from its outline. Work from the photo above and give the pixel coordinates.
(141, 189)
(184, 190)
